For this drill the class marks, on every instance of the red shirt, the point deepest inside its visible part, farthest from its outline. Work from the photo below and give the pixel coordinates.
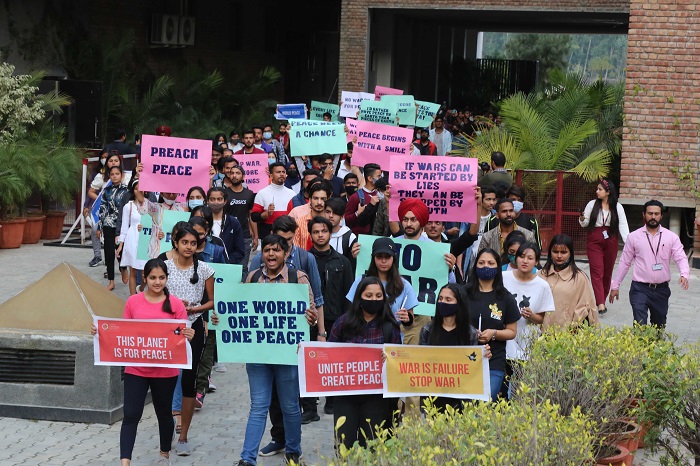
(255, 151)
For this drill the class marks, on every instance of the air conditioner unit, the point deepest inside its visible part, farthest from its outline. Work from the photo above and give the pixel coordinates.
(164, 29)
(186, 35)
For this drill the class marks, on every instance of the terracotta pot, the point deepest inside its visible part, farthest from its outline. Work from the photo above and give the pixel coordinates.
(53, 225)
(628, 437)
(11, 232)
(33, 229)
(618, 459)
(646, 425)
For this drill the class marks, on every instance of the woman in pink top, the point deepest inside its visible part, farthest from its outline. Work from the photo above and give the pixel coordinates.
(155, 303)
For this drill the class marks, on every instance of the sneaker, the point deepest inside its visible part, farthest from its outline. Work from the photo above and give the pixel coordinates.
(310, 416)
(271, 449)
(212, 387)
(244, 463)
(163, 461)
(293, 458)
(95, 261)
(182, 449)
(199, 401)
(218, 367)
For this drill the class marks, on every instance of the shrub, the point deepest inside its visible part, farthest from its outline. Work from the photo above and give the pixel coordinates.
(483, 434)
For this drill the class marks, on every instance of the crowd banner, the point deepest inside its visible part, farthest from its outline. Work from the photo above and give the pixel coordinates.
(378, 112)
(329, 369)
(378, 143)
(351, 102)
(319, 108)
(425, 113)
(451, 371)
(406, 108)
(380, 91)
(421, 263)
(351, 123)
(445, 184)
(174, 165)
(167, 221)
(288, 111)
(260, 322)
(142, 342)
(255, 166)
(307, 137)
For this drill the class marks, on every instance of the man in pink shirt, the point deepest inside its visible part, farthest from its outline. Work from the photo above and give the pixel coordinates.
(651, 247)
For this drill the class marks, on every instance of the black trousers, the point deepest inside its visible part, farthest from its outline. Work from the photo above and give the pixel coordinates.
(189, 376)
(110, 235)
(363, 414)
(135, 389)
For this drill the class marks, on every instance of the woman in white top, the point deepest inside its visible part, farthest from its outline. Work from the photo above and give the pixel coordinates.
(533, 297)
(602, 240)
(129, 234)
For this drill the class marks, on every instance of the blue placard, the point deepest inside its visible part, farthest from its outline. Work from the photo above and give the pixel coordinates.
(287, 111)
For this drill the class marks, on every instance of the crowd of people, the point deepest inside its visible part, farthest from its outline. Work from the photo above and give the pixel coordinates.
(306, 225)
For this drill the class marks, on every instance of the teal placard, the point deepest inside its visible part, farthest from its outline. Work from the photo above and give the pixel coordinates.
(406, 108)
(260, 322)
(425, 113)
(147, 250)
(319, 108)
(421, 263)
(378, 112)
(308, 137)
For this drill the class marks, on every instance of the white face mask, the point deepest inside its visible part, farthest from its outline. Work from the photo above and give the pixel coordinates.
(103, 162)
(195, 203)
(380, 195)
(169, 201)
(517, 206)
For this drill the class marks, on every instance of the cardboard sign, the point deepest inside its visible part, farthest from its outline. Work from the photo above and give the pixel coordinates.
(421, 263)
(255, 166)
(319, 108)
(351, 123)
(425, 113)
(308, 137)
(261, 322)
(405, 108)
(452, 371)
(378, 112)
(287, 111)
(174, 165)
(445, 184)
(148, 246)
(378, 143)
(142, 342)
(339, 369)
(380, 91)
(351, 102)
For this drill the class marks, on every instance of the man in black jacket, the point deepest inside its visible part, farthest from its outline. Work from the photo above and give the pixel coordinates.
(336, 279)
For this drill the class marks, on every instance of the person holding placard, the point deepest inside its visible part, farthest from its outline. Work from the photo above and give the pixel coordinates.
(129, 234)
(369, 321)
(263, 377)
(155, 303)
(346, 167)
(494, 313)
(325, 163)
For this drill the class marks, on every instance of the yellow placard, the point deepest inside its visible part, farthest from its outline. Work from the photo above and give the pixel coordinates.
(454, 371)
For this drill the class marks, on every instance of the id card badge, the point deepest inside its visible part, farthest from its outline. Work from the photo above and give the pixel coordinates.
(605, 234)
(656, 267)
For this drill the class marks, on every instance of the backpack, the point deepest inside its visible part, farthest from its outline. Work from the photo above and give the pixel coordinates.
(345, 242)
(291, 275)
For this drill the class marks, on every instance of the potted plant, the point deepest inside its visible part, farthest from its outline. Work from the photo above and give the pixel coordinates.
(16, 172)
(612, 455)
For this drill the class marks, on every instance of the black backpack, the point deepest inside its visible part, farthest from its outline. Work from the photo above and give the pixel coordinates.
(291, 275)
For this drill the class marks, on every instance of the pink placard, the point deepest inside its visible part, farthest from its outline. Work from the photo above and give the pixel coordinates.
(445, 184)
(351, 123)
(174, 165)
(379, 91)
(377, 142)
(256, 177)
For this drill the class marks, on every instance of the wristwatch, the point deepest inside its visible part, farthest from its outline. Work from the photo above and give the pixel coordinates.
(323, 334)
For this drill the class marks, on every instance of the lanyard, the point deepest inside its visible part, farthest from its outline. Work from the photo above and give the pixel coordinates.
(605, 219)
(658, 245)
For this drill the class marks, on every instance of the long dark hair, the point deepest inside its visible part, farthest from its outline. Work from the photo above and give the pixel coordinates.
(159, 264)
(561, 240)
(354, 324)
(179, 234)
(205, 212)
(514, 237)
(531, 246)
(463, 320)
(473, 283)
(609, 186)
(394, 282)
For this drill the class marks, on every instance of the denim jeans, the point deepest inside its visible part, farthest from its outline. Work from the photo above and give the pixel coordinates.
(260, 380)
(177, 395)
(496, 382)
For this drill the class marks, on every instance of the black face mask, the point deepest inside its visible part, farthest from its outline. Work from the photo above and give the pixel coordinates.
(446, 309)
(372, 306)
(350, 190)
(423, 138)
(293, 173)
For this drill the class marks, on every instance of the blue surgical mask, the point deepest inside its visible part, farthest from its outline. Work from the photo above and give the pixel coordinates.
(517, 206)
(271, 160)
(511, 258)
(195, 203)
(267, 135)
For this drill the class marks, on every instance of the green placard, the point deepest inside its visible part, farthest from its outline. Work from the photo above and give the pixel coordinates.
(406, 108)
(149, 247)
(308, 137)
(425, 113)
(421, 263)
(260, 322)
(378, 112)
(319, 108)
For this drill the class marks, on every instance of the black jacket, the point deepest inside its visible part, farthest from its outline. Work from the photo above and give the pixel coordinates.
(336, 280)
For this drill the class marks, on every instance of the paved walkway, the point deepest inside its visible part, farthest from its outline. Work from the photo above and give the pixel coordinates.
(218, 429)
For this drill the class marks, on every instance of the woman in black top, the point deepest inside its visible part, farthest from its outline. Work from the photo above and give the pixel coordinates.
(451, 327)
(494, 312)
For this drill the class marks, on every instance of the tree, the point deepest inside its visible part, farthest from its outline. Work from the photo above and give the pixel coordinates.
(551, 50)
